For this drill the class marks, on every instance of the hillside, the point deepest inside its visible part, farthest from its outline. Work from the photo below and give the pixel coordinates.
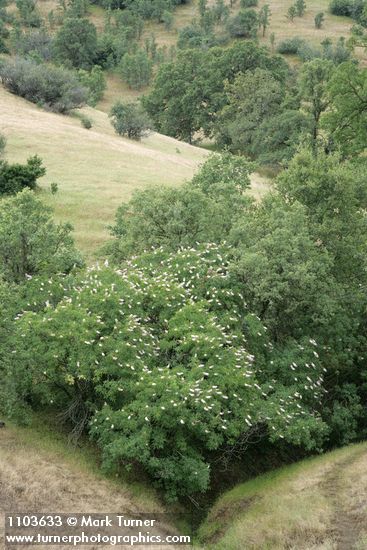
(333, 28)
(96, 170)
(40, 472)
(316, 504)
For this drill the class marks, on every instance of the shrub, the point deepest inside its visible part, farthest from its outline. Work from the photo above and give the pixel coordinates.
(2, 144)
(54, 88)
(54, 188)
(341, 7)
(159, 373)
(30, 242)
(300, 6)
(338, 53)
(130, 120)
(29, 13)
(319, 20)
(3, 46)
(244, 24)
(136, 69)
(194, 36)
(95, 81)
(110, 49)
(87, 122)
(129, 23)
(167, 19)
(291, 13)
(75, 43)
(15, 177)
(290, 45)
(249, 3)
(35, 43)
(307, 52)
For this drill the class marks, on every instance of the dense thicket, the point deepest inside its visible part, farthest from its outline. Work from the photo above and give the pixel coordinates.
(251, 102)
(15, 177)
(52, 87)
(223, 321)
(188, 93)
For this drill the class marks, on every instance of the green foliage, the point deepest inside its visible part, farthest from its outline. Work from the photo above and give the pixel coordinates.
(54, 188)
(285, 272)
(291, 13)
(195, 36)
(188, 93)
(54, 88)
(201, 211)
(2, 144)
(77, 8)
(346, 120)
(252, 98)
(344, 415)
(152, 9)
(300, 6)
(87, 122)
(249, 3)
(319, 19)
(335, 198)
(136, 69)
(129, 119)
(75, 43)
(36, 44)
(313, 83)
(167, 19)
(341, 7)
(264, 18)
(30, 242)
(337, 53)
(168, 217)
(290, 45)
(111, 48)
(278, 137)
(164, 374)
(129, 23)
(16, 177)
(231, 173)
(95, 81)
(29, 13)
(244, 24)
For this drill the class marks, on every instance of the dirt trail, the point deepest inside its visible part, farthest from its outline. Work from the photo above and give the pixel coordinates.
(36, 480)
(348, 500)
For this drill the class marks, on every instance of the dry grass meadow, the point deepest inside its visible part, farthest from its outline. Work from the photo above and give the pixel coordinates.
(95, 169)
(304, 27)
(318, 504)
(40, 473)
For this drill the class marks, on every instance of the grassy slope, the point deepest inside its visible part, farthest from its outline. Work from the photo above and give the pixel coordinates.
(96, 170)
(40, 472)
(315, 504)
(304, 27)
(333, 27)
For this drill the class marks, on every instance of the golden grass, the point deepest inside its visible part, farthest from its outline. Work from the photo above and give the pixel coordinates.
(304, 27)
(116, 90)
(96, 170)
(299, 507)
(40, 473)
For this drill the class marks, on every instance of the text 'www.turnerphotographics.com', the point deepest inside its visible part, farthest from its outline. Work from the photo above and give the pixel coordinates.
(91, 529)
